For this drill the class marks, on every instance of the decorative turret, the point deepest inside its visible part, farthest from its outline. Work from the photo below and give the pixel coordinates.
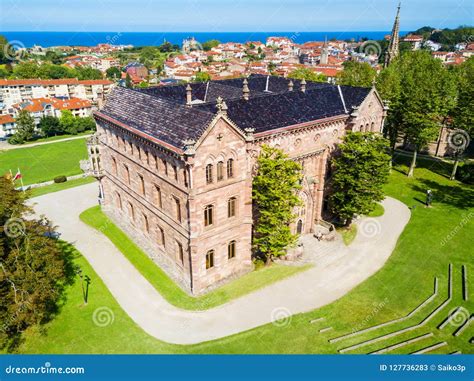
(189, 95)
(221, 106)
(290, 85)
(303, 85)
(245, 90)
(392, 50)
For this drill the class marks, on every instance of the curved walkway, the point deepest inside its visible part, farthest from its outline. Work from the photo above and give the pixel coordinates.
(303, 292)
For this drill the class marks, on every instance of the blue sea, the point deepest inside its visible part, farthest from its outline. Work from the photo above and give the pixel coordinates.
(46, 39)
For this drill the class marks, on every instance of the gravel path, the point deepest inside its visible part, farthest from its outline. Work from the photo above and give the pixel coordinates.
(343, 269)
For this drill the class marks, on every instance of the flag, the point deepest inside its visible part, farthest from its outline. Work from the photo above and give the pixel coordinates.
(17, 176)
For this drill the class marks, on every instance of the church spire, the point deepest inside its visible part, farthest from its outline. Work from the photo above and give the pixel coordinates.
(392, 51)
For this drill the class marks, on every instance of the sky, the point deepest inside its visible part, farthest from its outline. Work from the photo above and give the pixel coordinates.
(230, 15)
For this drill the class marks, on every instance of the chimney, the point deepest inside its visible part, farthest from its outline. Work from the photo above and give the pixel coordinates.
(245, 90)
(303, 85)
(189, 95)
(290, 85)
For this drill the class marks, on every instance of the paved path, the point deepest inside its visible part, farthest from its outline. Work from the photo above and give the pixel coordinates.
(303, 292)
(4, 145)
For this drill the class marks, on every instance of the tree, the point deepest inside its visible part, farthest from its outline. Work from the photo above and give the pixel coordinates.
(50, 126)
(82, 73)
(25, 128)
(463, 115)
(128, 81)
(208, 45)
(307, 74)
(85, 124)
(33, 268)
(202, 76)
(275, 196)
(3, 49)
(359, 74)
(68, 122)
(26, 70)
(113, 73)
(427, 93)
(360, 169)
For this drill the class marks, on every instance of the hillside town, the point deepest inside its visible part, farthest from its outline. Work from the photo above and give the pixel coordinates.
(107, 65)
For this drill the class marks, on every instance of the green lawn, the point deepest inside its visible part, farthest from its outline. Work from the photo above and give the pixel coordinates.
(166, 287)
(60, 186)
(377, 212)
(43, 163)
(434, 237)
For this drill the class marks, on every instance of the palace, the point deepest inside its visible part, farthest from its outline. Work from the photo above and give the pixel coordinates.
(178, 163)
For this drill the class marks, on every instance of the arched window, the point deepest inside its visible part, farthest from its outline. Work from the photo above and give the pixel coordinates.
(178, 209)
(180, 252)
(367, 127)
(131, 211)
(230, 168)
(220, 170)
(299, 227)
(372, 125)
(209, 259)
(165, 166)
(114, 166)
(127, 175)
(146, 225)
(118, 199)
(161, 236)
(208, 215)
(231, 205)
(158, 199)
(142, 184)
(231, 250)
(131, 148)
(209, 173)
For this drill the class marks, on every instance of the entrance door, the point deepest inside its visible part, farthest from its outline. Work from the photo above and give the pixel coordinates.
(299, 227)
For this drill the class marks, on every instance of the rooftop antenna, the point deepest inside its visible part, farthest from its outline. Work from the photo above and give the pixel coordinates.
(207, 89)
(266, 84)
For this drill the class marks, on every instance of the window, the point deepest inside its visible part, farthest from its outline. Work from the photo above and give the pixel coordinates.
(131, 212)
(142, 184)
(180, 252)
(156, 162)
(230, 168)
(139, 153)
(178, 209)
(165, 166)
(175, 172)
(185, 177)
(146, 225)
(231, 250)
(209, 259)
(114, 166)
(209, 173)
(127, 175)
(372, 125)
(131, 148)
(220, 170)
(158, 199)
(231, 203)
(208, 215)
(119, 200)
(147, 158)
(161, 233)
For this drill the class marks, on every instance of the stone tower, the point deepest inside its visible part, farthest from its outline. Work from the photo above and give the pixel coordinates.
(392, 50)
(325, 53)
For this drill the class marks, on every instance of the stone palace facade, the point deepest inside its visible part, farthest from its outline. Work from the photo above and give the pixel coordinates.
(179, 160)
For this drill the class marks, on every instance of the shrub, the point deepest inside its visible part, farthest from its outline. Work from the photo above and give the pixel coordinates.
(60, 179)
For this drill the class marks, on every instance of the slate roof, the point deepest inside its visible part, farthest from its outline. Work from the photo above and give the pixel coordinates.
(161, 111)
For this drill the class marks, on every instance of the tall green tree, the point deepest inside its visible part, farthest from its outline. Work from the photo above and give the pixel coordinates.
(113, 73)
(50, 126)
(25, 128)
(32, 267)
(68, 122)
(360, 169)
(202, 76)
(128, 81)
(356, 74)
(275, 197)
(307, 74)
(463, 112)
(427, 93)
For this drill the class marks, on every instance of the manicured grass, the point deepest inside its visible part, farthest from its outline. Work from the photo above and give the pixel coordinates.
(433, 238)
(55, 138)
(43, 163)
(348, 234)
(377, 212)
(166, 287)
(35, 192)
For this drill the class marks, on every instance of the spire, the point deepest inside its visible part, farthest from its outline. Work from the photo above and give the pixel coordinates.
(303, 85)
(189, 95)
(290, 85)
(392, 51)
(245, 90)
